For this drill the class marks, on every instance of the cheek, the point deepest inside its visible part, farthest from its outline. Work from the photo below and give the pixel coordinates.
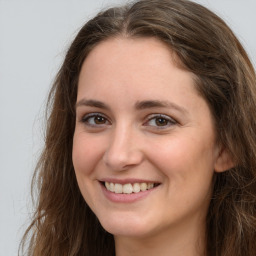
(185, 159)
(86, 154)
(188, 166)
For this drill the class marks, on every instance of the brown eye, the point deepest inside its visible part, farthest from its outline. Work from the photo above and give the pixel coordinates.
(161, 121)
(94, 119)
(99, 120)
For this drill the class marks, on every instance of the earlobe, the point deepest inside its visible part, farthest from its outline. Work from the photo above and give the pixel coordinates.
(224, 161)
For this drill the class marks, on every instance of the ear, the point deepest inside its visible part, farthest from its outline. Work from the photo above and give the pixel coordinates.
(223, 161)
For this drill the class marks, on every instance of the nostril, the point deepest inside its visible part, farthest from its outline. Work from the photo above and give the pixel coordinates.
(120, 161)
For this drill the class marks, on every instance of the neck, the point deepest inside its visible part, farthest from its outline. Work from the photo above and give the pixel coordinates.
(184, 241)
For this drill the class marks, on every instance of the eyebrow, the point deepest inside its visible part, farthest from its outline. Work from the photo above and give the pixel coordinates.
(91, 103)
(139, 105)
(159, 104)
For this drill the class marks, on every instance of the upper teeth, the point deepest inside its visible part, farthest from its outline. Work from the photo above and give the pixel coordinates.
(128, 188)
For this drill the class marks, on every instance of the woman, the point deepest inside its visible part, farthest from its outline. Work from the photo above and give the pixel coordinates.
(150, 146)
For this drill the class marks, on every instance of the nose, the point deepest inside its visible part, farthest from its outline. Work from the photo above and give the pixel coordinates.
(123, 151)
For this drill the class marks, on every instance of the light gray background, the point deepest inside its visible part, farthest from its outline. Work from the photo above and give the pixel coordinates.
(34, 36)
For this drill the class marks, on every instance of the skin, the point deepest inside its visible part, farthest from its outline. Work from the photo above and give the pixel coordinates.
(130, 141)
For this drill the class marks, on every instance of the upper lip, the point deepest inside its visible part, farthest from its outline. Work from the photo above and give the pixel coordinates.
(128, 180)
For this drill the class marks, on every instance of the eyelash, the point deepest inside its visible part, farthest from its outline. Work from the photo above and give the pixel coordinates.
(153, 117)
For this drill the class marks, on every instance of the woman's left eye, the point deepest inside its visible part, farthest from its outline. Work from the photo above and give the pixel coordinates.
(160, 121)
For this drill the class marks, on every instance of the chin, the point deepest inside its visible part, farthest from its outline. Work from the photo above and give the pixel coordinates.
(129, 226)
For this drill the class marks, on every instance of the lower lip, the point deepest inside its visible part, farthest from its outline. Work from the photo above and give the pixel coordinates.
(126, 198)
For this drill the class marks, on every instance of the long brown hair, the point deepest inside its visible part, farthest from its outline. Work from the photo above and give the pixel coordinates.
(63, 224)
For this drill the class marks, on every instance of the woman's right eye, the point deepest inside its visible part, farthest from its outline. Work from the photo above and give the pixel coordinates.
(94, 119)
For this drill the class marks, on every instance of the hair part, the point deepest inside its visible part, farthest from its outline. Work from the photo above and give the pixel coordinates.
(63, 224)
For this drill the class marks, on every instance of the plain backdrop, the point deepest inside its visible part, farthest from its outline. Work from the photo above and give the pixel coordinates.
(34, 36)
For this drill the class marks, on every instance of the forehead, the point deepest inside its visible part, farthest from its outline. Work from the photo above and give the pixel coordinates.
(141, 61)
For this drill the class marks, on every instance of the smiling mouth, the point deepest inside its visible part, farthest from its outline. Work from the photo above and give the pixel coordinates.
(129, 188)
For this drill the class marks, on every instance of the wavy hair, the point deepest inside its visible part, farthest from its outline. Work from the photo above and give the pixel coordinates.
(63, 224)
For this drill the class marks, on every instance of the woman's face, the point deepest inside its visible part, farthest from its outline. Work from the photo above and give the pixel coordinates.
(144, 148)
